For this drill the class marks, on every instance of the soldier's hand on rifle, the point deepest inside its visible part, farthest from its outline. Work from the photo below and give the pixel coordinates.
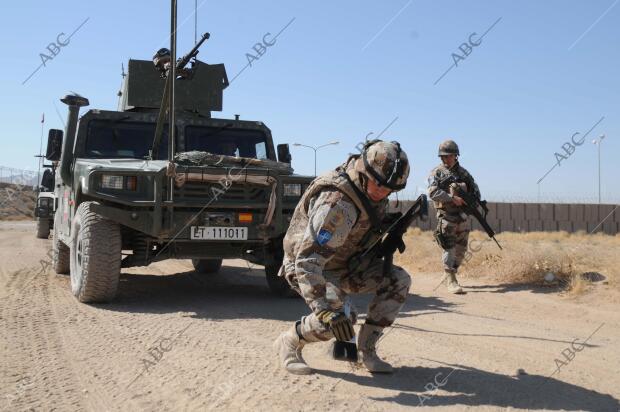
(458, 201)
(391, 244)
(340, 325)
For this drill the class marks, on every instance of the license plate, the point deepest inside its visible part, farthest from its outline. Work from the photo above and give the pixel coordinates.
(218, 233)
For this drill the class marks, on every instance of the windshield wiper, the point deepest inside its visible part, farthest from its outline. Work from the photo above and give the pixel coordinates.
(226, 126)
(120, 119)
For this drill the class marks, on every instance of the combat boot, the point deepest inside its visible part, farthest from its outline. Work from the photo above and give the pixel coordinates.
(288, 346)
(366, 342)
(453, 285)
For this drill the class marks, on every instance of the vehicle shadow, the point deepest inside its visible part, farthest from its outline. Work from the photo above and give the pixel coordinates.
(234, 293)
(467, 386)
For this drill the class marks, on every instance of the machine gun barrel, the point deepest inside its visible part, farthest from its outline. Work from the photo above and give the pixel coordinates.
(165, 98)
(183, 61)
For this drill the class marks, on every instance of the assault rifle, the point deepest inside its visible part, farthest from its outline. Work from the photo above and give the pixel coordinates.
(391, 239)
(472, 204)
(384, 246)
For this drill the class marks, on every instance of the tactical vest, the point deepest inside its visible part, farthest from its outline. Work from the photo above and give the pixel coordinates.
(449, 210)
(361, 234)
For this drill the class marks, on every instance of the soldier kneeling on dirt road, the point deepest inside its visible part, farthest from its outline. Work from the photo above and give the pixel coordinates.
(340, 213)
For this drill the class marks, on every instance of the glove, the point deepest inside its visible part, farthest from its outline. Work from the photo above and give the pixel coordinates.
(338, 323)
(391, 243)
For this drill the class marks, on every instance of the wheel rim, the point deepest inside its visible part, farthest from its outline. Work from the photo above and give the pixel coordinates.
(76, 259)
(78, 256)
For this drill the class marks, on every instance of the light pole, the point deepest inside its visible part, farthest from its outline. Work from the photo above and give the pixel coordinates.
(315, 148)
(598, 143)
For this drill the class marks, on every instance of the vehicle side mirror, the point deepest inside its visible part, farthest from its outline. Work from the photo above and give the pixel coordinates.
(284, 153)
(54, 145)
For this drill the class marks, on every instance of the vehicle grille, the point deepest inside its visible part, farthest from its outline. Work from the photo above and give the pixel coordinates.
(236, 193)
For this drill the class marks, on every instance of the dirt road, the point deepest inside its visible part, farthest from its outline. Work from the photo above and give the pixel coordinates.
(175, 340)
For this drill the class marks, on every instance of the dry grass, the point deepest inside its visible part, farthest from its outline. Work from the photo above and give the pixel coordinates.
(574, 259)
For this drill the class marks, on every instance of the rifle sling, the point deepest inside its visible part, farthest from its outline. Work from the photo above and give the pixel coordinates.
(370, 211)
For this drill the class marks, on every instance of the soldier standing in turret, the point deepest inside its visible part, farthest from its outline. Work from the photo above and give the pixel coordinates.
(338, 216)
(452, 231)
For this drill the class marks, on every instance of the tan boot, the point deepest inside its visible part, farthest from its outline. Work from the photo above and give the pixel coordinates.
(288, 347)
(453, 285)
(366, 341)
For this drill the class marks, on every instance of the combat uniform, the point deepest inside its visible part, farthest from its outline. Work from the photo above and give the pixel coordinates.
(334, 221)
(329, 226)
(452, 231)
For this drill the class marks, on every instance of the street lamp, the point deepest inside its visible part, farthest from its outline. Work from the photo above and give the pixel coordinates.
(315, 148)
(598, 143)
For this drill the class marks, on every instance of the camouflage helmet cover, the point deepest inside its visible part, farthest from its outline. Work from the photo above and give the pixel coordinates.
(386, 163)
(448, 147)
(161, 57)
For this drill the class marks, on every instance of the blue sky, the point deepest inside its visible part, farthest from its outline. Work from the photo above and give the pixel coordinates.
(343, 69)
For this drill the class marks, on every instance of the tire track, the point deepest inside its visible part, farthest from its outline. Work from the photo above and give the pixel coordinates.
(30, 329)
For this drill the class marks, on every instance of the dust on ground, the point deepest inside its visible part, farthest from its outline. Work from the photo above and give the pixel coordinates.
(176, 340)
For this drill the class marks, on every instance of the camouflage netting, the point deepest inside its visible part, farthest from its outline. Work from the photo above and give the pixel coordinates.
(197, 158)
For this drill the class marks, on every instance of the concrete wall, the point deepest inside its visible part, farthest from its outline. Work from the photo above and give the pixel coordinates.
(536, 217)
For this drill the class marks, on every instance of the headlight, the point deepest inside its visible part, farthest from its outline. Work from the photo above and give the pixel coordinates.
(292, 189)
(119, 182)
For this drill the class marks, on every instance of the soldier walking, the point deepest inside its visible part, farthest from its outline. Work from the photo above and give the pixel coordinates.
(452, 231)
(339, 215)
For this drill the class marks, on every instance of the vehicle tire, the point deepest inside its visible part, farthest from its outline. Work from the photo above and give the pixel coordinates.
(60, 254)
(207, 266)
(43, 228)
(95, 256)
(277, 284)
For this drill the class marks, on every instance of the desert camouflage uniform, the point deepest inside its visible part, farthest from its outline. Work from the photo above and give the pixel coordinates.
(452, 222)
(329, 226)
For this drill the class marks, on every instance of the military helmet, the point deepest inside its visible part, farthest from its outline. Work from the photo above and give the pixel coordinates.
(161, 57)
(448, 147)
(386, 163)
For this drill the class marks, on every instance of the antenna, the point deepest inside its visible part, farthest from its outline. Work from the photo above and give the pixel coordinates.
(195, 21)
(40, 156)
(172, 77)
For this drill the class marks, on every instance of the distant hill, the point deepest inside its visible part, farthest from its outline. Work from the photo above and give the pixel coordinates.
(18, 176)
(17, 202)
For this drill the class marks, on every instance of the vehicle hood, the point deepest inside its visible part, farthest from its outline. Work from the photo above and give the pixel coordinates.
(123, 164)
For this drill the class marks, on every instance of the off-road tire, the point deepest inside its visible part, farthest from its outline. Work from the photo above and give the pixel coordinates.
(43, 228)
(60, 254)
(277, 284)
(95, 256)
(207, 266)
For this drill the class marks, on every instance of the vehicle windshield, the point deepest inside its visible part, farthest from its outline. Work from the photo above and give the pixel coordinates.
(123, 140)
(227, 141)
(45, 202)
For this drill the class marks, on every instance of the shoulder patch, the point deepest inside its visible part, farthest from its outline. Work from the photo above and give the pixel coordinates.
(323, 236)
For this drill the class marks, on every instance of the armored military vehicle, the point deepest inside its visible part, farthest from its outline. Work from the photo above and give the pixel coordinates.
(129, 196)
(44, 213)
(44, 209)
